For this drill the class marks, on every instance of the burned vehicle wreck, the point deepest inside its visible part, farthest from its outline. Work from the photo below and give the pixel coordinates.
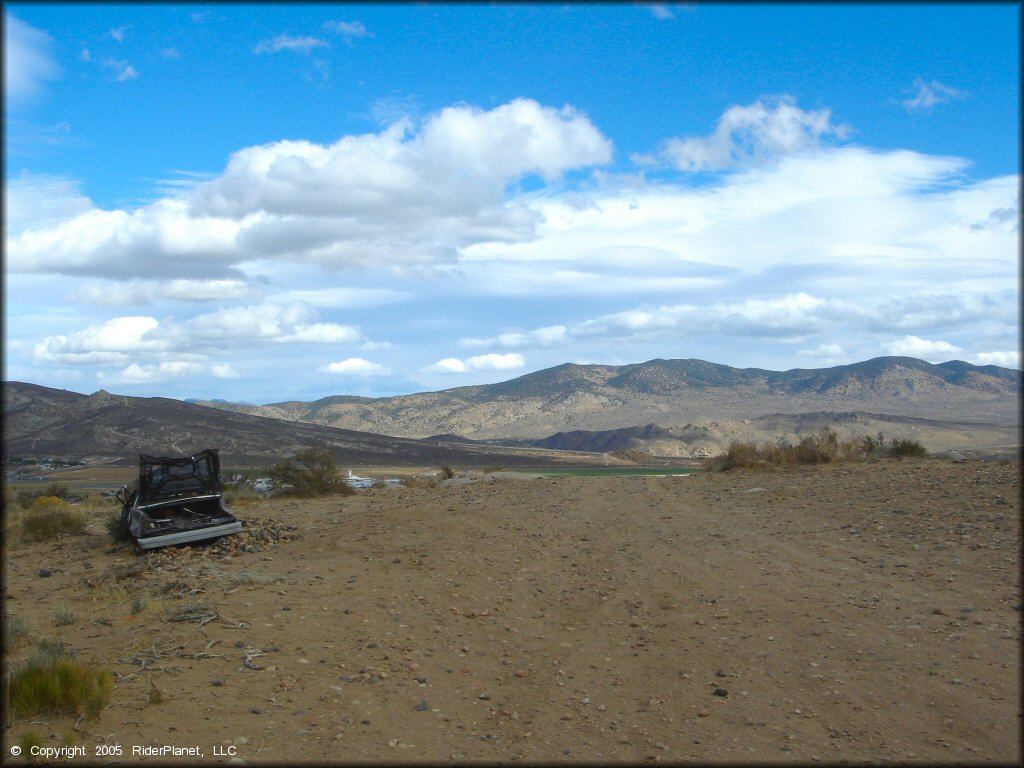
(176, 501)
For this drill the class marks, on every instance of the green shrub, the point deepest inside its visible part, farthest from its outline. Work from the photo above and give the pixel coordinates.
(63, 615)
(906, 447)
(51, 682)
(117, 527)
(821, 448)
(48, 517)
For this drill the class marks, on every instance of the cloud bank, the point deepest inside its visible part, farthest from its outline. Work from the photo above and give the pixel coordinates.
(396, 199)
(28, 61)
(794, 241)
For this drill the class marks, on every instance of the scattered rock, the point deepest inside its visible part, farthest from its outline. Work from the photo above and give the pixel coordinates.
(44, 572)
(423, 706)
(720, 692)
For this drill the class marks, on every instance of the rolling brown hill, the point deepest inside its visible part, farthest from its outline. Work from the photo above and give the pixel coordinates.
(712, 437)
(689, 398)
(40, 421)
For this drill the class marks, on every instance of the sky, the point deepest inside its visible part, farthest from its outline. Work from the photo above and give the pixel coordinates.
(261, 203)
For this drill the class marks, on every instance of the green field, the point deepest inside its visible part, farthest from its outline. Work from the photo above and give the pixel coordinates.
(614, 471)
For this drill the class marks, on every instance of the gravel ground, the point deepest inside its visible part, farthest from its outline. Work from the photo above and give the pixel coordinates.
(865, 612)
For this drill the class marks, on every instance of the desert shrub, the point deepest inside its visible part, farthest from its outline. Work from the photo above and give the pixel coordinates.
(738, 454)
(822, 448)
(49, 516)
(63, 615)
(447, 472)
(51, 682)
(138, 603)
(15, 630)
(312, 472)
(871, 444)
(26, 498)
(117, 527)
(29, 739)
(906, 447)
(58, 490)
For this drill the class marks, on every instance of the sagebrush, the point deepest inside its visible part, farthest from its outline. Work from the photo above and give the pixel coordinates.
(821, 448)
(312, 472)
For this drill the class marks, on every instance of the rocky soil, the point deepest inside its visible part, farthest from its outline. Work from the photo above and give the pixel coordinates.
(867, 613)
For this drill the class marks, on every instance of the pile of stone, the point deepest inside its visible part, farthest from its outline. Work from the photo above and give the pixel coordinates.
(256, 536)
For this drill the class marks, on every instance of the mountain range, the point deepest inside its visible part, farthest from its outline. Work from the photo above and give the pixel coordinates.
(114, 429)
(675, 408)
(670, 393)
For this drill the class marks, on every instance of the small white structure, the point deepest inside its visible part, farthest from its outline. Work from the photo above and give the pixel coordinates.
(354, 481)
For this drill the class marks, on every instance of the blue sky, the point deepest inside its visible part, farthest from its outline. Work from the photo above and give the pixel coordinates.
(271, 202)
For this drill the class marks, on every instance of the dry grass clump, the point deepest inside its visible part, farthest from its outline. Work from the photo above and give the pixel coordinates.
(821, 448)
(30, 739)
(51, 682)
(48, 517)
(63, 615)
(15, 629)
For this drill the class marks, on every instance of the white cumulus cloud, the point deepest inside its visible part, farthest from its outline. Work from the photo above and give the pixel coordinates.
(926, 349)
(107, 342)
(1004, 359)
(397, 199)
(448, 365)
(218, 332)
(356, 366)
(488, 362)
(223, 371)
(748, 135)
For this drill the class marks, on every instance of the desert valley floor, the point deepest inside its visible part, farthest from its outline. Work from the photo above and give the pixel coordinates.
(861, 612)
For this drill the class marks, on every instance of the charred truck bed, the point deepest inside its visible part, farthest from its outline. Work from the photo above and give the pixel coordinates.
(177, 500)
